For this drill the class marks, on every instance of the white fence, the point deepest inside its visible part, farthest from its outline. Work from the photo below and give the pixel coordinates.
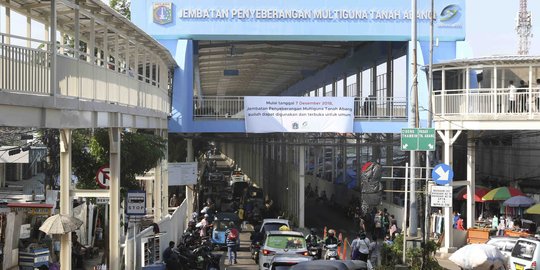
(172, 227)
(233, 107)
(486, 102)
(27, 70)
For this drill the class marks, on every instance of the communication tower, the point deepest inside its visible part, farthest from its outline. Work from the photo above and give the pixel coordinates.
(523, 28)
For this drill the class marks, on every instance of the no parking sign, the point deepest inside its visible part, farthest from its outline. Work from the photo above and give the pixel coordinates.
(102, 177)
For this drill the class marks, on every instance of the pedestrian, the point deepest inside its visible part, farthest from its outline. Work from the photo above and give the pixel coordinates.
(512, 92)
(374, 251)
(170, 258)
(203, 225)
(363, 247)
(501, 227)
(459, 224)
(378, 223)
(173, 202)
(355, 253)
(232, 236)
(494, 222)
(522, 96)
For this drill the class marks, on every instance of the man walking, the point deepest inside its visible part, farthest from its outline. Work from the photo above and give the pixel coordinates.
(232, 242)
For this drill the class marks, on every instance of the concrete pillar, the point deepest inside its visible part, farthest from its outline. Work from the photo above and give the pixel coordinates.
(114, 198)
(471, 177)
(301, 184)
(189, 189)
(65, 198)
(164, 176)
(448, 140)
(2, 174)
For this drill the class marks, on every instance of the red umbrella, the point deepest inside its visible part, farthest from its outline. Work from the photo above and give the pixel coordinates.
(479, 192)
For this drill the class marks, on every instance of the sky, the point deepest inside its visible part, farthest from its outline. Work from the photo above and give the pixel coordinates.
(490, 26)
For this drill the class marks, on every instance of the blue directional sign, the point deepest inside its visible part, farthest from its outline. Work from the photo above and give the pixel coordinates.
(442, 174)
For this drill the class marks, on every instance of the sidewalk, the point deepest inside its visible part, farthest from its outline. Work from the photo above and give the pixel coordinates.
(447, 264)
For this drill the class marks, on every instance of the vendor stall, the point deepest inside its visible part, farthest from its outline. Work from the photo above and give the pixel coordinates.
(35, 244)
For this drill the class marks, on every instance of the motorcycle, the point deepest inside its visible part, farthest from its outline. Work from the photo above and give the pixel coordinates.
(200, 258)
(331, 252)
(255, 249)
(315, 251)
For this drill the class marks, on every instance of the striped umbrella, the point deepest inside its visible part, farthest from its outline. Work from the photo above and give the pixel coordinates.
(535, 209)
(502, 193)
(479, 192)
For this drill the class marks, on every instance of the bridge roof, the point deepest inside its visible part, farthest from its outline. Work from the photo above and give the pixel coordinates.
(491, 60)
(39, 10)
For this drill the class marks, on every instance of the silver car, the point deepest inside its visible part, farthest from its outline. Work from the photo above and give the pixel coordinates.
(281, 242)
(284, 262)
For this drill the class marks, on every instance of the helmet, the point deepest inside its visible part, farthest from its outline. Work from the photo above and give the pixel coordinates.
(331, 232)
(313, 231)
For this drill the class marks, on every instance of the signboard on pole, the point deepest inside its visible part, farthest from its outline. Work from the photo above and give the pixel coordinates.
(136, 202)
(102, 200)
(441, 196)
(418, 139)
(182, 173)
(442, 174)
(102, 177)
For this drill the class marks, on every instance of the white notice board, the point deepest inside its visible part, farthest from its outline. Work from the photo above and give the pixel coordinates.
(182, 173)
(441, 196)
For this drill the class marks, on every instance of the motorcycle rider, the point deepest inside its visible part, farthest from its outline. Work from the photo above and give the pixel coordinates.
(331, 239)
(312, 240)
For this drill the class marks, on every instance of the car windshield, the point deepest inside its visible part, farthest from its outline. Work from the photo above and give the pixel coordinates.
(271, 227)
(221, 225)
(286, 242)
(524, 250)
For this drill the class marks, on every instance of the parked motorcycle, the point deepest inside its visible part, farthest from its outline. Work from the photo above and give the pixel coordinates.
(331, 252)
(200, 258)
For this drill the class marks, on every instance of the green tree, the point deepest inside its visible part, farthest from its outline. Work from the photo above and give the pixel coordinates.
(140, 152)
(122, 7)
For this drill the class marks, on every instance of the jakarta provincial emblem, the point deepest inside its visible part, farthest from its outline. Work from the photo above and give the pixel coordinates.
(163, 13)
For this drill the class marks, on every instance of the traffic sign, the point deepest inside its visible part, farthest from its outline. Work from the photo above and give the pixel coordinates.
(409, 139)
(417, 139)
(102, 177)
(426, 139)
(441, 196)
(442, 174)
(136, 202)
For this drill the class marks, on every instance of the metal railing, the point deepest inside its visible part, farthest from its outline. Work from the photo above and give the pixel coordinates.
(219, 107)
(26, 70)
(491, 102)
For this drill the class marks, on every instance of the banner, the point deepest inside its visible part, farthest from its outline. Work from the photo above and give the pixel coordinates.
(265, 114)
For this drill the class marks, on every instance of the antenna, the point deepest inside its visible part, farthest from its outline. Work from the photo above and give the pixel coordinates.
(523, 28)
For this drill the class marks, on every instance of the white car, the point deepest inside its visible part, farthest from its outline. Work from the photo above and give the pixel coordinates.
(525, 255)
(273, 224)
(281, 243)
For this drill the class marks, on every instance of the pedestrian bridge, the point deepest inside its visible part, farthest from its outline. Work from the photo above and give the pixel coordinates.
(80, 65)
(116, 77)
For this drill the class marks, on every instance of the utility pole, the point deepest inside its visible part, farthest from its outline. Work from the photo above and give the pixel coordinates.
(413, 217)
(429, 124)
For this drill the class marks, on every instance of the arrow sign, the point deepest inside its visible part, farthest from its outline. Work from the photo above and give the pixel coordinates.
(405, 146)
(442, 174)
(430, 146)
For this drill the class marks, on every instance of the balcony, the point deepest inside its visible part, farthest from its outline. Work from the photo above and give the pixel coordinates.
(475, 93)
